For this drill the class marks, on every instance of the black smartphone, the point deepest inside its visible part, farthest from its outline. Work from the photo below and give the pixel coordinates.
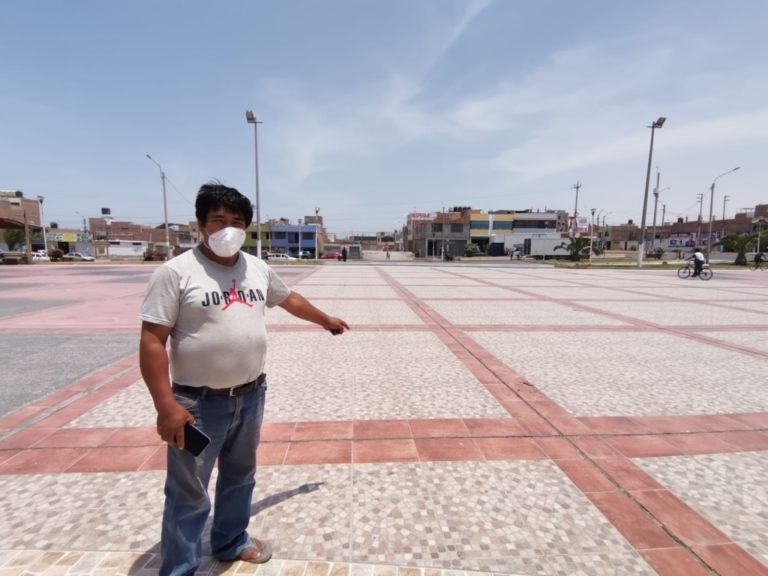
(195, 440)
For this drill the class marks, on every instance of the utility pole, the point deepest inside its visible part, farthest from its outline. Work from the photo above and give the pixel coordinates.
(655, 206)
(700, 200)
(576, 209)
(725, 200)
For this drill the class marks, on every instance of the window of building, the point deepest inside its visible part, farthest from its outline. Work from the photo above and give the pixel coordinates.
(437, 228)
(279, 235)
(307, 236)
(478, 225)
(457, 228)
(502, 225)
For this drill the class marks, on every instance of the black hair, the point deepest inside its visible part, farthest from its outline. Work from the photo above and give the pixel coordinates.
(215, 195)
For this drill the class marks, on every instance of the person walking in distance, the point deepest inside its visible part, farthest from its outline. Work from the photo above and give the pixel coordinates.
(344, 254)
(210, 302)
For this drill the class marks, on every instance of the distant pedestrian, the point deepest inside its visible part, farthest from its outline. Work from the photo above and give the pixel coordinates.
(387, 254)
(344, 254)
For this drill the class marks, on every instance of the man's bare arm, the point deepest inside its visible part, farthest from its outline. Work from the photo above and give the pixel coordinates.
(302, 308)
(153, 360)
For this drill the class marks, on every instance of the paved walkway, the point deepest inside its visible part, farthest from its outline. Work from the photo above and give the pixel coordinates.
(485, 419)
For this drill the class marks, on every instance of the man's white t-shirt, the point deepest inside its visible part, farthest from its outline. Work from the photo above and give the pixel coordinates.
(216, 313)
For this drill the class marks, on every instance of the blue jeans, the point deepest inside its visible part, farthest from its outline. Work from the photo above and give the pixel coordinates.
(234, 426)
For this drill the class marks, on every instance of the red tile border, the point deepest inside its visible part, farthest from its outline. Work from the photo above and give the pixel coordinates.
(707, 443)
(439, 428)
(142, 436)
(26, 438)
(45, 461)
(510, 449)
(643, 446)
(585, 475)
(277, 431)
(376, 451)
(271, 453)
(447, 449)
(157, 461)
(681, 519)
(595, 447)
(627, 474)
(629, 519)
(77, 438)
(746, 441)
(558, 448)
(381, 429)
(113, 459)
(336, 430)
(675, 562)
(325, 452)
(489, 427)
(731, 560)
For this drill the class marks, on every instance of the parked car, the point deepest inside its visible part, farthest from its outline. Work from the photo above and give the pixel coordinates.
(331, 256)
(281, 257)
(306, 255)
(78, 257)
(40, 256)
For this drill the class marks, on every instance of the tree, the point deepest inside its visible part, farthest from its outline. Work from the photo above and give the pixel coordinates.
(471, 249)
(739, 243)
(14, 239)
(578, 246)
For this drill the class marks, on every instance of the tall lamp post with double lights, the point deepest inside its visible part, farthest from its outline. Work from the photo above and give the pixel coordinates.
(42, 223)
(711, 200)
(165, 210)
(251, 119)
(641, 248)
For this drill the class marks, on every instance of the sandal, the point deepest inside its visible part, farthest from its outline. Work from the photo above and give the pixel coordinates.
(263, 552)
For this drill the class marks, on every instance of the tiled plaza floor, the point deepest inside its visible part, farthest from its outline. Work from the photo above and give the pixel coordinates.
(476, 420)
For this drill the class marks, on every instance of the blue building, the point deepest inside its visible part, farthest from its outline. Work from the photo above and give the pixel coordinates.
(293, 239)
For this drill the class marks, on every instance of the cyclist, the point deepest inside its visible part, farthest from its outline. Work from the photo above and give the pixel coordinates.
(759, 259)
(698, 262)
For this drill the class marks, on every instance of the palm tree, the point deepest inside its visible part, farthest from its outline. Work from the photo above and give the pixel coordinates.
(576, 245)
(739, 243)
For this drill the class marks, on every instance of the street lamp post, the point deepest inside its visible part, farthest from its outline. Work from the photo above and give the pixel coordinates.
(42, 223)
(700, 200)
(317, 228)
(165, 211)
(251, 119)
(591, 233)
(725, 200)
(576, 210)
(711, 200)
(641, 248)
(656, 193)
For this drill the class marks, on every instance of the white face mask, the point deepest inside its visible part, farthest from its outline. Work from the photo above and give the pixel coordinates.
(227, 241)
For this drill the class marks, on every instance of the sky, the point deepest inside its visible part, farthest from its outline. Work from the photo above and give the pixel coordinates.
(373, 109)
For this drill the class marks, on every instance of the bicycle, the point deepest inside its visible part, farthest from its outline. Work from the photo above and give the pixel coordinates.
(687, 270)
(759, 265)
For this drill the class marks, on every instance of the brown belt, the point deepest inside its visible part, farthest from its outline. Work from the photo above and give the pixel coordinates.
(207, 391)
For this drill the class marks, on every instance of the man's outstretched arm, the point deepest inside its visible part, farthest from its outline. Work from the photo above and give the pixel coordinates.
(302, 308)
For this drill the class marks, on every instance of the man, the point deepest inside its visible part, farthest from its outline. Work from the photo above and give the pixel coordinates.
(698, 262)
(210, 302)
